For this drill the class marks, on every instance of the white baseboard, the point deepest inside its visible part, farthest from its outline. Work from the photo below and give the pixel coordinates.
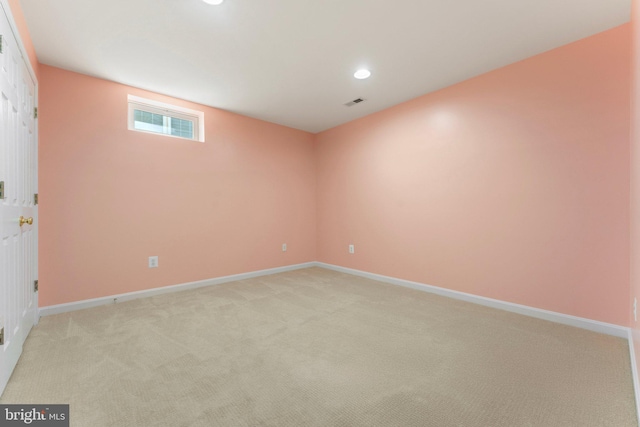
(579, 322)
(112, 299)
(565, 319)
(634, 372)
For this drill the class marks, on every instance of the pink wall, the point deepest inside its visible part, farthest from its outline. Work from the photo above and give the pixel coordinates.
(513, 185)
(110, 197)
(635, 174)
(18, 17)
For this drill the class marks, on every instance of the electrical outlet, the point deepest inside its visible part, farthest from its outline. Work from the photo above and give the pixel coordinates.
(284, 247)
(352, 249)
(635, 309)
(153, 262)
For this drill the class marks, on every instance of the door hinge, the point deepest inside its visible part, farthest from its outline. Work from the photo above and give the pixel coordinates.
(35, 112)
(35, 286)
(1, 190)
(35, 199)
(2, 336)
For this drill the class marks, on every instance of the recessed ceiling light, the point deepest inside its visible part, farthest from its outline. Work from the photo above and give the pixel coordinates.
(362, 74)
(216, 2)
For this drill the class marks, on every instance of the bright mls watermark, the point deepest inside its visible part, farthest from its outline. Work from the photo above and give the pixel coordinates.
(34, 415)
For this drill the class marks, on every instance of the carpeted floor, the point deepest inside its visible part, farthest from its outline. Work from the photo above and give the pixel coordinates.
(318, 348)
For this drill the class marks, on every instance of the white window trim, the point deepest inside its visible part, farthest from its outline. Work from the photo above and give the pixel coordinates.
(157, 107)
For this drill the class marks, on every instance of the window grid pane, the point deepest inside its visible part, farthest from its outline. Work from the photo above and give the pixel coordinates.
(180, 127)
(158, 123)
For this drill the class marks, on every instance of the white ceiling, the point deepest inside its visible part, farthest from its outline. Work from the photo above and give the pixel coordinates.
(292, 61)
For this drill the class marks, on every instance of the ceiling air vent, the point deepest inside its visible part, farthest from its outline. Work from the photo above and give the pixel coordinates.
(354, 102)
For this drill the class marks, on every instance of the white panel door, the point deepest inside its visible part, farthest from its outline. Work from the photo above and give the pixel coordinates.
(18, 173)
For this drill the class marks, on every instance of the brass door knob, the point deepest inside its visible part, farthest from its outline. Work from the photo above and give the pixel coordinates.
(24, 221)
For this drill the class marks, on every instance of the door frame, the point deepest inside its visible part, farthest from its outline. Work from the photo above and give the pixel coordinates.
(16, 34)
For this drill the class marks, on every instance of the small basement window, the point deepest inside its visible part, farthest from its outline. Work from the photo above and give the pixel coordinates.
(146, 115)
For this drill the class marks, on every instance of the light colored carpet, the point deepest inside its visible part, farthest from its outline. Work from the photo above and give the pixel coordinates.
(318, 348)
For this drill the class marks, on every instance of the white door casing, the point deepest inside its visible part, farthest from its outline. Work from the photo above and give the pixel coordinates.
(18, 172)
